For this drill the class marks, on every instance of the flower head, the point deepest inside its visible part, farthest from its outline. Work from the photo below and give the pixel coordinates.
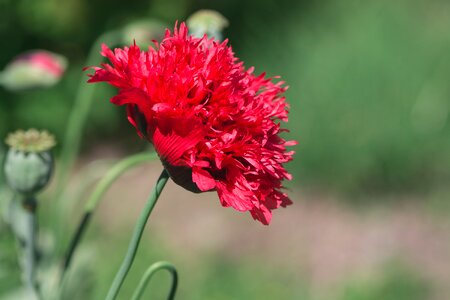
(214, 124)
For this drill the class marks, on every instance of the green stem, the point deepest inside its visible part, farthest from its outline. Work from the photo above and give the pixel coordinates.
(29, 253)
(149, 274)
(79, 114)
(136, 238)
(88, 175)
(75, 126)
(115, 172)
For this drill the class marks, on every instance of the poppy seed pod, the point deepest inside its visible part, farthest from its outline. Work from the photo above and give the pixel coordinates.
(29, 162)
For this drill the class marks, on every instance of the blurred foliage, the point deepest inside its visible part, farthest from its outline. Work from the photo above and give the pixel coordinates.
(396, 282)
(9, 267)
(369, 90)
(215, 278)
(368, 81)
(220, 278)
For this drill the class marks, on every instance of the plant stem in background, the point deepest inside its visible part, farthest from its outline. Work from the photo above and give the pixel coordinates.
(136, 238)
(148, 275)
(115, 172)
(29, 247)
(79, 114)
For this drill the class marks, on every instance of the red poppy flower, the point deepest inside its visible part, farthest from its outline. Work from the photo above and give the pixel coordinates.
(214, 124)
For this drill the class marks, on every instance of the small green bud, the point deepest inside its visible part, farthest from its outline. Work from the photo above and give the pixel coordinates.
(142, 32)
(209, 22)
(29, 162)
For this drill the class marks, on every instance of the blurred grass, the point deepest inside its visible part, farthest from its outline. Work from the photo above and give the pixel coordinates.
(202, 278)
(9, 267)
(218, 276)
(396, 282)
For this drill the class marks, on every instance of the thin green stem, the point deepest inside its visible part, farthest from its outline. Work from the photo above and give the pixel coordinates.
(29, 253)
(160, 265)
(88, 176)
(136, 238)
(115, 172)
(75, 241)
(75, 126)
(79, 114)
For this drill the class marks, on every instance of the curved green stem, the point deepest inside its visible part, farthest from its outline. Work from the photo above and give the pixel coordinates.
(89, 176)
(160, 265)
(115, 172)
(136, 238)
(79, 114)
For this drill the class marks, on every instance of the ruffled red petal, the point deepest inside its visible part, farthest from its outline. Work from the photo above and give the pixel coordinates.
(215, 125)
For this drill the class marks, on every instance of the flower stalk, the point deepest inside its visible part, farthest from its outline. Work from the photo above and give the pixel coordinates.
(115, 172)
(22, 215)
(27, 168)
(160, 265)
(136, 237)
(79, 114)
(29, 245)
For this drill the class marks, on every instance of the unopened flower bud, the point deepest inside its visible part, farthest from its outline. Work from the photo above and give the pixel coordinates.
(29, 162)
(209, 22)
(142, 32)
(34, 69)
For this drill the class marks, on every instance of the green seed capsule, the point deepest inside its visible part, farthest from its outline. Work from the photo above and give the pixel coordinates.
(29, 162)
(27, 172)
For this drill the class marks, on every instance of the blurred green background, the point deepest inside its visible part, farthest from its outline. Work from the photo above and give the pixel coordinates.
(370, 102)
